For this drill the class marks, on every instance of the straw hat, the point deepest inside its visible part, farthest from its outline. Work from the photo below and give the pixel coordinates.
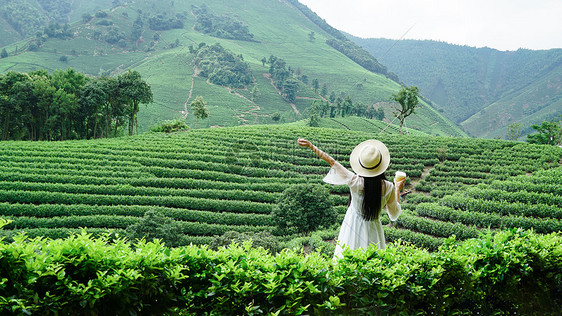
(370, 158)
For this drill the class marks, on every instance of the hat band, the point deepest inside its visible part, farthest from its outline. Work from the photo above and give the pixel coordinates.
(371, 168)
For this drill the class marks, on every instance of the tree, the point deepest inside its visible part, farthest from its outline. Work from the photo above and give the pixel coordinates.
(290, 87)
(10, 108)
(276, 117)
(303, 208)
(549, 133)
(4, 53)
(315, 84)
(347, 106)
(311, 37)
(134, 92)
(199, 107)
(263, 61)
(92, 99)
(324, 91)
(87, 17)
(255, 93)
(408, 98)
(514, 131)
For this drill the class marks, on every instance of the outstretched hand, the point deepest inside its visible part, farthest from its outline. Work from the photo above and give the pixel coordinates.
(303, 142)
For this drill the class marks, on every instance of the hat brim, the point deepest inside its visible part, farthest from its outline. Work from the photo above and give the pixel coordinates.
(356, 165)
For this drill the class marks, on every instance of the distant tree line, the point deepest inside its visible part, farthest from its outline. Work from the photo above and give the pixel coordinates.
(68, 105)
(361, 57)
(55, 30)
(162, 22)
(344, 45)
(221, 66)
(225, 26)
(342, 107)
(58, 10)
(26, 18)
(283, 77)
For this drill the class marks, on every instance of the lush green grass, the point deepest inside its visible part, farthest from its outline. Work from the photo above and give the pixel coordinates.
(279, 30)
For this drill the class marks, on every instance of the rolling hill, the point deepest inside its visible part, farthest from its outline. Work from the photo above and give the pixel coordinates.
(482, 89)
(158, 40)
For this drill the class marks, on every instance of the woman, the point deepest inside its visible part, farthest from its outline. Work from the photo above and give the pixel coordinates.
(370, 193)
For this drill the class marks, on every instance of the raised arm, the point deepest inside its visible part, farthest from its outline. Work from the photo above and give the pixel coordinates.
(398, 187)
(305, 143)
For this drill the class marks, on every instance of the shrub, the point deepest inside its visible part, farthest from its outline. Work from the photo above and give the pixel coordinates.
(156, 226)
(303, 208)
(171, 126)
(258, 239)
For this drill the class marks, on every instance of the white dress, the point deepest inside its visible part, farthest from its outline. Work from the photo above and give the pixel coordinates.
(356, 232)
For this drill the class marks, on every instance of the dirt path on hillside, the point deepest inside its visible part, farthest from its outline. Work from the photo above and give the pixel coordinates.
(268, 76)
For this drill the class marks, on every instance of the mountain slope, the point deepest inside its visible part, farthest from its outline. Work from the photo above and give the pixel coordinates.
(165, 60)
(482, 89)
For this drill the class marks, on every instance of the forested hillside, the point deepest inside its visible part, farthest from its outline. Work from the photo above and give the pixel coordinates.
(482, 89)
(249, 60)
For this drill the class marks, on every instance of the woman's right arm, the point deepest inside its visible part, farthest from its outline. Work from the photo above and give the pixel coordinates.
(393, 206)
(398, 187)
(305, 143)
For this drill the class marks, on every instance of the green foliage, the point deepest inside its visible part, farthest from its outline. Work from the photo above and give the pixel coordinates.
(69, 105)
(156, 226)
(514, 131)
(171, 126)
(358, 55)
(114, 35)
(199, 108)
(509, 272)
(258, 239)
(101, 14)
(408, 98)
(87, 17)
(22, 16)
(222, 66)
(4, 53)
(161, 22)
(303, 208)
(54, 30)
(226, 26)
(549, 133)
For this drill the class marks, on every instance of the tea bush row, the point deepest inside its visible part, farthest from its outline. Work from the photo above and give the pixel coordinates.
(511, 272)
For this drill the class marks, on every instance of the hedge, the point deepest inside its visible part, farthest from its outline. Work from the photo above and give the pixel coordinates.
(515, 272)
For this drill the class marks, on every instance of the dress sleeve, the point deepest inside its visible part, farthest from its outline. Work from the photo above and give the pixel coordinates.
(393, 207)
(339, 175)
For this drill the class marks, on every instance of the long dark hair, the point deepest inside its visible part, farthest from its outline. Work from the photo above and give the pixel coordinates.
(372, 196)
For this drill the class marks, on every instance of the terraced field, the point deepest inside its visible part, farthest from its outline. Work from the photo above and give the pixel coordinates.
(228, 179)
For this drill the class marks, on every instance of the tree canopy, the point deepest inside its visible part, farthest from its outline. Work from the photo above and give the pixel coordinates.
(408, 99)
(548, 133)
(68, 105)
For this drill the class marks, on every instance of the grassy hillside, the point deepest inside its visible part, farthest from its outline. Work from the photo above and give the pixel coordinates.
(228, 179)
(21, 19)
(482, 89)
(164, 60)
